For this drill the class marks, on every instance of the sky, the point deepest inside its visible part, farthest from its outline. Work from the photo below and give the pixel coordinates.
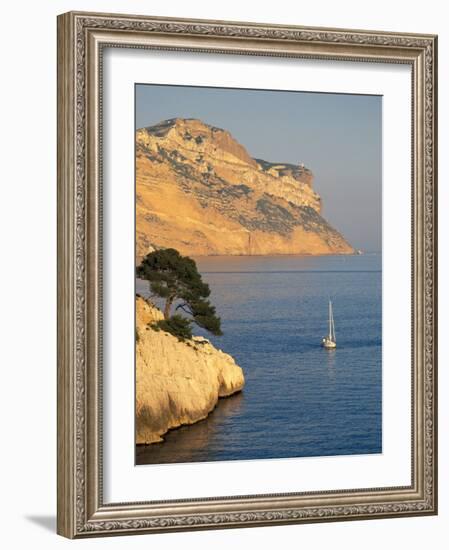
(337, 136)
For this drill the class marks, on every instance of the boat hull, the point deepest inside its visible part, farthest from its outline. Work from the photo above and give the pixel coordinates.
(328, 344)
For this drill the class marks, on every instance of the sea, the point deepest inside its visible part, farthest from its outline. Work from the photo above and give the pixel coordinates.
(299, 399)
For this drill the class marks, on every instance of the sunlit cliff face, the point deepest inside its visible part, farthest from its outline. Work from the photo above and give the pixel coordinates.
(176, 382)
(199, 191)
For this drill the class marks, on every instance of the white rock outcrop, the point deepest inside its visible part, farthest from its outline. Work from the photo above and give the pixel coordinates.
(177, 382)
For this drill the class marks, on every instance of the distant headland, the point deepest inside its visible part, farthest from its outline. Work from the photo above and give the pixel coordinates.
(199, 191)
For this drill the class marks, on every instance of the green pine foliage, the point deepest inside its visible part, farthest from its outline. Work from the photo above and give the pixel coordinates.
(176, 279)
(177, 325)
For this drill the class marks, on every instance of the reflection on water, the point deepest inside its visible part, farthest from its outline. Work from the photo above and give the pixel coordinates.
(190, 443)
(330, 362)
(299, 399)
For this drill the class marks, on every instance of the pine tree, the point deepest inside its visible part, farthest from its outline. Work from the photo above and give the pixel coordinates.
(175, 278)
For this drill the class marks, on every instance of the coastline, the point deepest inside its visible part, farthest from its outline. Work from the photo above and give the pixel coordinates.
(273, 327)
(177, 382)
(173, 429)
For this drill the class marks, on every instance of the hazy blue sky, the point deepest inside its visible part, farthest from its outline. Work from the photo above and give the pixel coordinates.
(337, 136)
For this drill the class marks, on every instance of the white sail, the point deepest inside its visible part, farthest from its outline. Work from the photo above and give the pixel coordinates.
(332, 334)
(330, 341)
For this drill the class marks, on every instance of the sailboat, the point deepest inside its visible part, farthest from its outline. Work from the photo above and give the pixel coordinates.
(329, 341)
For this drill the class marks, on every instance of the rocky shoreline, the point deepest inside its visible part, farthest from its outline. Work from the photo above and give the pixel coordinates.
(177, 382)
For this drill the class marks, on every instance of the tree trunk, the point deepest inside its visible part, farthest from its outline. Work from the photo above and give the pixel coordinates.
(167, 307)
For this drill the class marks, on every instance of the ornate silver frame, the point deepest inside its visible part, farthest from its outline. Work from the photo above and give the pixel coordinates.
(81, 39)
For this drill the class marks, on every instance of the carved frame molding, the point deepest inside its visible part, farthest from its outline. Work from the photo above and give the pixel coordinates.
(81, 39)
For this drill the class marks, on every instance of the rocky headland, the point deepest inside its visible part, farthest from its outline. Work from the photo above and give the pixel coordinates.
(177, 381)
(198, 190)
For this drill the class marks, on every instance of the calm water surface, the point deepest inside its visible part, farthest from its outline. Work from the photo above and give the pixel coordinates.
(299, 399)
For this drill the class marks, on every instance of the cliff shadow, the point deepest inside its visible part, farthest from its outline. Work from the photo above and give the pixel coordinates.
(194, 442)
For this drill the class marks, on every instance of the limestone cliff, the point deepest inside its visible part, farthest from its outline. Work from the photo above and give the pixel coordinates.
(199, 191)
(176, 382)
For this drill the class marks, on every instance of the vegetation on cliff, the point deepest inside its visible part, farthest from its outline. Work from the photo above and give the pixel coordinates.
(176, 279)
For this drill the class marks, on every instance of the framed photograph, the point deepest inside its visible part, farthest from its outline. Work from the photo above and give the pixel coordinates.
(246, 274)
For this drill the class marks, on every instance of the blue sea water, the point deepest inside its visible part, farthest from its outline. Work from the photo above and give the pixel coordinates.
(299, 399)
